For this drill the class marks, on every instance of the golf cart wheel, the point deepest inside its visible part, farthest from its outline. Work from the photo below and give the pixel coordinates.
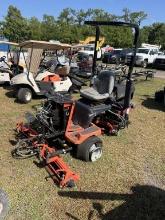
(145, 64)
(4, 204)
(90, 149)
(24, 95)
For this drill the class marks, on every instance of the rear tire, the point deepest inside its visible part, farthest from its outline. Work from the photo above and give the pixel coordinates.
(4, 204)
(90, 149)
(24, 95)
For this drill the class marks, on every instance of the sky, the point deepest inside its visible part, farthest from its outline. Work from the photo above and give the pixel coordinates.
(29, 8)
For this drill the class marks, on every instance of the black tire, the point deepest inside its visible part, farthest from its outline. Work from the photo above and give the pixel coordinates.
(145, 64)
(24, 95)
(85, 151)
(4, 204)
(159, 96)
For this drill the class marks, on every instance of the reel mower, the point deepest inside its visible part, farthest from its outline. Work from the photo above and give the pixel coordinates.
(65, 125)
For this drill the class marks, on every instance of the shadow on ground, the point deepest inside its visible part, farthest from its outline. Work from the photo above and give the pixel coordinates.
(150, 103)
(145, 203)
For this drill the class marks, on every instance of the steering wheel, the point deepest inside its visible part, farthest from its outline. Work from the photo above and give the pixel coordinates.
(2, 59)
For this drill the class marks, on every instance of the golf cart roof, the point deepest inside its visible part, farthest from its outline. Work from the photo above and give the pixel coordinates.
(77, 45)
(45, 45)
(9, 43)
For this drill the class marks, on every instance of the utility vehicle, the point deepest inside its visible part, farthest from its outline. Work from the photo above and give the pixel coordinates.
(145, 55)
(33, 82)
(65, 125)
(9, 65)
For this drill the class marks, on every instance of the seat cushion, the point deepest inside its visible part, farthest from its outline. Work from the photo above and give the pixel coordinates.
(92, 94)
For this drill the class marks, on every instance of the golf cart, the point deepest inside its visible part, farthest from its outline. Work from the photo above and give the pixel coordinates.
(64, 125)
(34, 82)
(9, 65)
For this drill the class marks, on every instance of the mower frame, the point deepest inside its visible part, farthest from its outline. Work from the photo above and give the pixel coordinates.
(97, 25)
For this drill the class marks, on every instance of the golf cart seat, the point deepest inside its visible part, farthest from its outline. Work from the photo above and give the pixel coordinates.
(63, 70)
(102, 87)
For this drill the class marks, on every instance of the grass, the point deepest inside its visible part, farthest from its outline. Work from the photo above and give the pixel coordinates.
(108, 188)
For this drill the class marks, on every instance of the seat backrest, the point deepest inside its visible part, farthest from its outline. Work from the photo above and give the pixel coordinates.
(104, 82)
(63, 70)
(82, 114)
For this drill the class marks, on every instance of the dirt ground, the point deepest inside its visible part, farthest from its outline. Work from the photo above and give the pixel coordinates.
(128, 182)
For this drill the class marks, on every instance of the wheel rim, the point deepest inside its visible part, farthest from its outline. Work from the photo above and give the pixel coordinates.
(28, 96)
(1, 207)
(95, 152)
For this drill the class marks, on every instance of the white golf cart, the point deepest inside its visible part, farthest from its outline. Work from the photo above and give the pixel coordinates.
(34, 82)
(9, 65)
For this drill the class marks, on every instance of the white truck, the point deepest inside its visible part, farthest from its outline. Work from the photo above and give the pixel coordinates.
(145, 55)
(89, 50)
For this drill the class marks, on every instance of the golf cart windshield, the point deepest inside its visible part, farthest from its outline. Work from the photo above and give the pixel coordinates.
(35, 51)
(141, 50)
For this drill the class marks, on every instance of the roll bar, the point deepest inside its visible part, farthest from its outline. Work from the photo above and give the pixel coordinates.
(135, 46)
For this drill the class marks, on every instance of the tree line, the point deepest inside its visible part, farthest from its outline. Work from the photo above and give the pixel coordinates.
(69, 27)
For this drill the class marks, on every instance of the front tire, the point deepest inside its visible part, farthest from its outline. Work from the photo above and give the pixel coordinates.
(24, 95)
(4, 204)
(90, 149)
(145, 64)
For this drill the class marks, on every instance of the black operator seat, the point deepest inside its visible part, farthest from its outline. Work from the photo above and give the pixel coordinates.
(102, 87)
(82, 115)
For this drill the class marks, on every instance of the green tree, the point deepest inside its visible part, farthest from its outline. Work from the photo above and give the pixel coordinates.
(144, 33)
(157, 34)
(82, 15)
(48, 28)
(67, 16)
(15, 27)
(35, 28)
(134, 17)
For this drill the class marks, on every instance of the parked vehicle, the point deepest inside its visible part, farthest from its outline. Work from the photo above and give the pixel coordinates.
(9, 65)
(145, 55)
(116, 56)
(112, 56)
(159, 62)
(31, 82)
(123, 55)
(89, 50)
(75, 125)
